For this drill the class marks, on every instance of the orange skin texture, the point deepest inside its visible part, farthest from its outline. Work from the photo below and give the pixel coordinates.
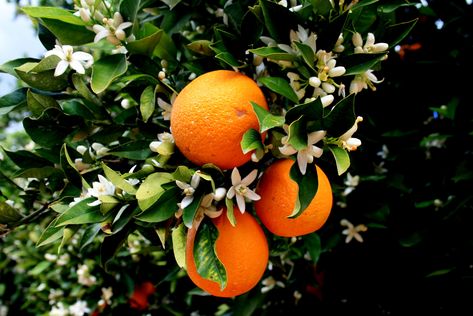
(211, 114)
(278, 196)
(242, 249)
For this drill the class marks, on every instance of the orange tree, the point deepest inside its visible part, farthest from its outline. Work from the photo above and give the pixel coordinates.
(105, 166)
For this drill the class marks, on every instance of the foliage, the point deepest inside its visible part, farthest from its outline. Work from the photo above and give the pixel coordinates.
(407, 184)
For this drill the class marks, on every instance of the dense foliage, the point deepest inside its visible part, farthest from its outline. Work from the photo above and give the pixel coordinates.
(405, 189)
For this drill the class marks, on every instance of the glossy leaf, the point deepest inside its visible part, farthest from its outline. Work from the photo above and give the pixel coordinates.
(164, 208)
(55, 13)
(81, 213)
(12, 101)
(251, 141)
(38, 103)
(50, 234)
(44, 80)
(118, 180)
(313, 245)
(274, 53)
(307, 187)
(151, 189)
(280, 86)
(68, 34)
(147, 103)
(342, 159)
(266, 119)
(179, 239)
(107, 69)
(297, 135)
(207, 262)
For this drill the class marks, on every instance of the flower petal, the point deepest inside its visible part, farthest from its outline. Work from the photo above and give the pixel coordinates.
(61, 68)
(241, 203)
(186, 201)
(236, 178)
(252, 195)
(250, 178)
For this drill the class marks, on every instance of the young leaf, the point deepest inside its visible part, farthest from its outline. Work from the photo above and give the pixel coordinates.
(266, 119)
(251, 141)
(151, 189)
(107, 69)
(206, 260)
(178, 236)
(147, 102)
(12, 101)
(342, 159)
(307, 184)
(280, 86)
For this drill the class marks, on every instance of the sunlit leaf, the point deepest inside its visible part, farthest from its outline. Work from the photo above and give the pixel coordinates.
(179, 239)
(107, 69)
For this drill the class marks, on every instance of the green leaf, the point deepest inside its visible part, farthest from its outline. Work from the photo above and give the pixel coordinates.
(39, 173)
(147, 102)
(206, 260)
(118, 180)
(279, 21)
(47, 63)
(307, 54)
(307, 187)
(342, 159)
(107, 69)
(396, 33)
(266, 119)
(129, 9)
(440, 272)
(151, 189)
(188, 214)
(274, 53)
(9, 66)
(310, 111)
(341, 118)
(136, 150)
(44, 80)
(111, 244)
(182, 173)
(179, 239)
(27, 159)
(12, 101)
(360, 63)
(313, 245)
(38, 103)
(40, 268)
(79, 83)
(88, 237)
(50, 234)
(68, 34)
(321, 7)
(8, 214)
(164, 208)
(166, 49)
(280, 86)
(81, 213)
(201, 47)
(67, 234)
(55, 13)
(230, 211)
(171, 3)
(251, 140)
(297, 134)
(146, 44)
(229, 59)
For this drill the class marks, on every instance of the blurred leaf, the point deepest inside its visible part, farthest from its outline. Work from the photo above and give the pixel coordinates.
(40, 268)
(110, 246)
(201, 47)
(182, 173)
(313, 245)
(81, 213)
(179, 239)
(342, 159)
(12, 101)
(151, 189)
(38, 103)
(107, 69)
(266, 119)
(171, 3)
(279, 21)
(129, 9)
(321, 7)
(47, 63)
(9, 66)
(439, 272)
(68, 233)
(393, 6)
(8, 214)
(164, 208)
(280, 86)
(147, 102)
(251, 141)
(307, 187)
(39, 173)
(206, 260)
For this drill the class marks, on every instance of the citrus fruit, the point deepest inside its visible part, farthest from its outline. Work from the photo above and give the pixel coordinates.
(210, 115)
(278, 197)
(242, 249)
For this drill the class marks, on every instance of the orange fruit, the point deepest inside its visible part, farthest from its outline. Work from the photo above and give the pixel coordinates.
(210, 115)
(278, 196)
(242, 249)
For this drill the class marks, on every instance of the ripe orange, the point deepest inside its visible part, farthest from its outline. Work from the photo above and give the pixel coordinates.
(242, 249)
(211, 114)
(278, 196)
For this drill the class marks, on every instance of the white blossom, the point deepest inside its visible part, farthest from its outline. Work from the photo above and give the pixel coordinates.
(370, 47)
(84, 277)
(351, 183)
(164, 145)
(79, 308)
(347, 141)
(363, 81)
(306, 155)
(240, 188)
(77, 61)
(188, 190)
(112, 29)
(352, 231)
(58, 310)
(101, 188)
